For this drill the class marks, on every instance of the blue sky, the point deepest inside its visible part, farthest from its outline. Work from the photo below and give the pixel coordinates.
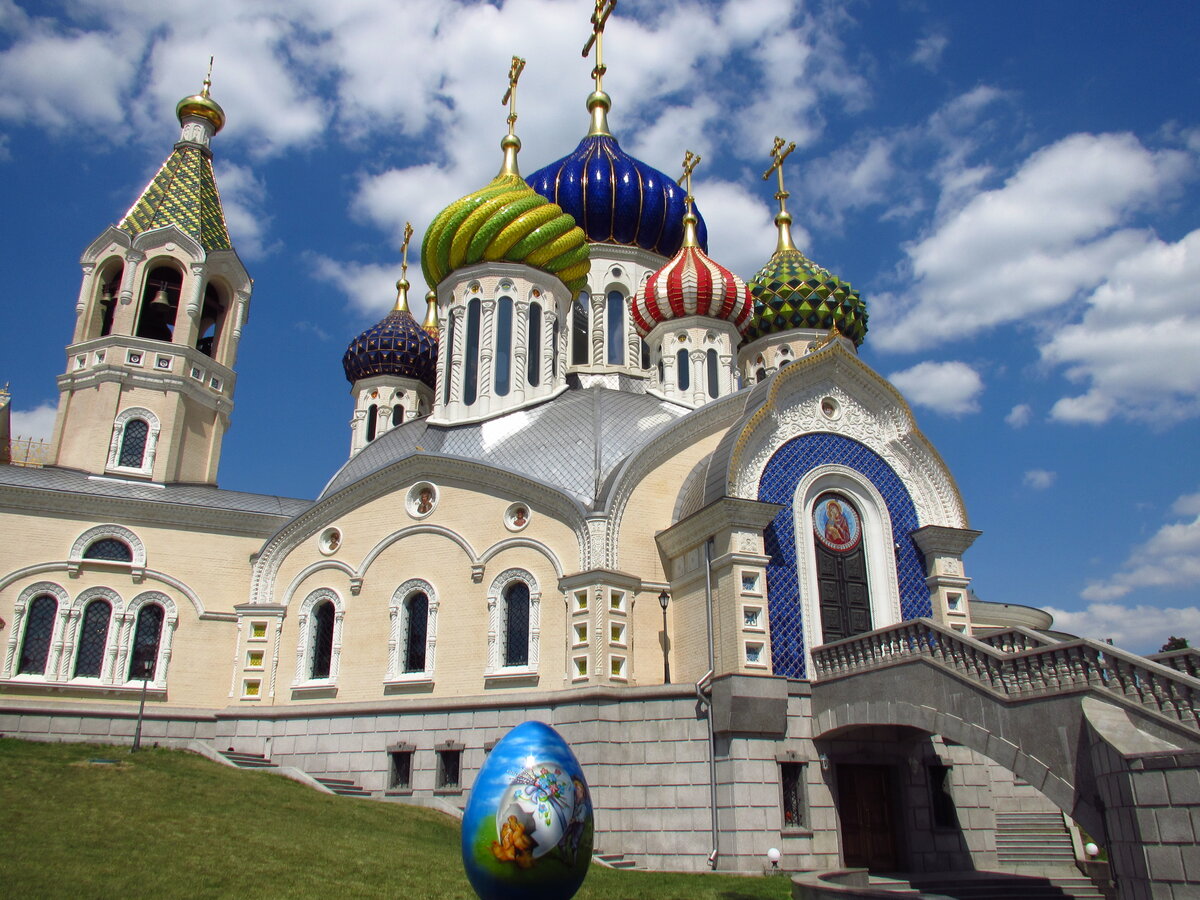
(1015, 189)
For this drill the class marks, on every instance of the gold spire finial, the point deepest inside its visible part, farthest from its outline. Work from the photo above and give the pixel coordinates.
(690, 161)
(783, 219)
(510, 143)
(431, 310)
(598, 102)
(207, 79)
(510, 96)
(402, 284)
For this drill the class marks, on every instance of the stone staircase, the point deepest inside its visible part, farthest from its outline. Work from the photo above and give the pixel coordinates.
(613, 860)
(1000, 886)
(343, 786)
(248, 760)
(1033, 839)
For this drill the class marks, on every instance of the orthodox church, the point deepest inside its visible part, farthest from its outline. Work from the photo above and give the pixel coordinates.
(607, 484)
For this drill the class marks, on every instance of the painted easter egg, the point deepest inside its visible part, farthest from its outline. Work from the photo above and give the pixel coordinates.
(527, 829)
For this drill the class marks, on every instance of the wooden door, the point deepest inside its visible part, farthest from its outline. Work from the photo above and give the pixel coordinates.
(864, 806)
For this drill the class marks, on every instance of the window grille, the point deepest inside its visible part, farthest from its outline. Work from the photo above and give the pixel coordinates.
(146, 636)
(795, 809)
(449, 774)
(39, 627)
(322, 646)
(516, 624)
(109, 549)
(400, 770)
(416, 633)
(133, 444)
(93, 638)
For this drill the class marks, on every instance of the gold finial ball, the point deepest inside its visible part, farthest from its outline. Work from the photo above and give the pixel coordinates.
(510, 140)
(204, 107)
(599, 98)
(402, 284)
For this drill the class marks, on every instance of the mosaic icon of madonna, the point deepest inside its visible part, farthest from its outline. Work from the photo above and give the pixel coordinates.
(836, 522)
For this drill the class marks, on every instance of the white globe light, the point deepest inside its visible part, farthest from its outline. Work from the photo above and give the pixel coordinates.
(1091, 849)
(773, 855)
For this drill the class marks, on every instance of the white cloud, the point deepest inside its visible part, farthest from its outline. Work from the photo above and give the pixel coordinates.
(36, 423)
(371, 288)
(929, 49)
(1019, 415)
(951, 388)
(741, 235)
(1039, 479)
(1169, 559)
(853, 178)
(1019, 251)
(1141, 628)
(244, 199)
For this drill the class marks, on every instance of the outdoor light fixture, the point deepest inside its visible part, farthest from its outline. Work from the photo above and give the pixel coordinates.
(824, 758)
(773, 856)
(663, 599)
(1091, 850)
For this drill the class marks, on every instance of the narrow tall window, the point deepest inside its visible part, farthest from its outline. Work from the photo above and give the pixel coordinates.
(533, 374)
(683, 377)
(416, 609)
(397, 415)
(795, 809)
(143, 661)
(711, 365)
(93, 638)
(322, 640)
(372, 421)
(133, 444)
(449, 770)
(645, 357)
(516, 624)
(504, 331)
(109, 549)
(451, 327)
(580, 345)
(616, 328)
(39, 627)
(471, 361)
(400, 770)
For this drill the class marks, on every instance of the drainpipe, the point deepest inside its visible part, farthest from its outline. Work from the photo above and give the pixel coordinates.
(702, 685)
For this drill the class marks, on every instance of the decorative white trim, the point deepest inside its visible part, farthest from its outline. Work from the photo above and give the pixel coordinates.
(882, 581)
(166, 638)
(124, 417)
(496, 619)
(16, 637)
(73, 627)
(398, 631)
(137, 549)
(304, 649)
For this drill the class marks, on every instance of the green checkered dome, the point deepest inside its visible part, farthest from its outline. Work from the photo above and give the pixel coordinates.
(791, 291)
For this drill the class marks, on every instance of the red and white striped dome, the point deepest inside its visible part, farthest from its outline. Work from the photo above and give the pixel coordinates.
(691, 284)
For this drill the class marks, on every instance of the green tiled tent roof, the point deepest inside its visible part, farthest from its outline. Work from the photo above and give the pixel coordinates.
(184, 194)
(791, 291)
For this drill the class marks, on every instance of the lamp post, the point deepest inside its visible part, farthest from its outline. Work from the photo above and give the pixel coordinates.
(145, 667)
(663, 599)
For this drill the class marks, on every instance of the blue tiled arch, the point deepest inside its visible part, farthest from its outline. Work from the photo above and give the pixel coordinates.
(783, 472)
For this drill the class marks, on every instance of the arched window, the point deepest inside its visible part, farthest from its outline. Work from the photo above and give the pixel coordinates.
(580, 343)
(451, 328)
(397, 414)
(133, 444)
(471, 362)
(554, 351)
(416, 631)
(516, 624)
(533, 374)
(615, 315)
(683, 377)
(109, 549)
(322, 640)
(107, 286)
(645, 357)
(143, 661)
(711, 361)
(93, 639)
(760, 374)
(504, 332)
(843, 592)
(160, 303)
(372, 421)
(39, 628)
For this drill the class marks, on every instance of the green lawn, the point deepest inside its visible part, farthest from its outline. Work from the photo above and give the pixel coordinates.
(163, 823)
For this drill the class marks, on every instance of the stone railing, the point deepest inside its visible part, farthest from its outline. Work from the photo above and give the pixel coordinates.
(1010, 640)
(1055, 668)
(1186, 660)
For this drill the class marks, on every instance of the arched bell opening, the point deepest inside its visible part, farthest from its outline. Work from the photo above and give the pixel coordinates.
(211, 329)
(106, 287)
(160, 304)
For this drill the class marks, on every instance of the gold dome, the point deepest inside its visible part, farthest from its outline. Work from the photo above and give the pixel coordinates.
(202, 105)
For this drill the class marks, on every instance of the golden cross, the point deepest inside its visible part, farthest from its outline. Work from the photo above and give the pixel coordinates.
(510, 96)
(408, 233)
(207, 79)
(690, 161)
(778, 155)
(604, 9)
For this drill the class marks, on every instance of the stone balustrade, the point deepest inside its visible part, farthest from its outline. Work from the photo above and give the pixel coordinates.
(1042, 668)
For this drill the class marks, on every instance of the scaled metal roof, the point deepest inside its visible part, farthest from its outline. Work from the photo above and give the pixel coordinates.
(184, 194)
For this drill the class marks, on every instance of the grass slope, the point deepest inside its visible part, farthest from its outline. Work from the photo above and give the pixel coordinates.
(163, 823)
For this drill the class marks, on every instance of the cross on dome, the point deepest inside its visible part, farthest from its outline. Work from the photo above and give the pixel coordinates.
(783, 219)
(510, 96)
(604, 9)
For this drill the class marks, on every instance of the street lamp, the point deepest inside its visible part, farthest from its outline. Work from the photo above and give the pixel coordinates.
(663, 599)
(144, 666)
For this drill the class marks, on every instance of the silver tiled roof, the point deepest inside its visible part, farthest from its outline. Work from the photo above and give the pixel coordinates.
(572, 442)
(197, 495)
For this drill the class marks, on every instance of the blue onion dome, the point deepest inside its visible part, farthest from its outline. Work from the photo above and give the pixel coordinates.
(791, 291)
(396, 346)
(615, 198)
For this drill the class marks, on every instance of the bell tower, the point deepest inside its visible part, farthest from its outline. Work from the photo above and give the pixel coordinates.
(148, 388)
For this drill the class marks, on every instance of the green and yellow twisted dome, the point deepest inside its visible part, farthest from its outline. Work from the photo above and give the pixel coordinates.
(791, 291)
(506, 221)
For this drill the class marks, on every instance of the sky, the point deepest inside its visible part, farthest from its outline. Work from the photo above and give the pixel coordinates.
(1014, 188)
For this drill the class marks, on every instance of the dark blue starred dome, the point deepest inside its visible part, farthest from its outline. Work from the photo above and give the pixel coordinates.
(617, 199)
(396, 346)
